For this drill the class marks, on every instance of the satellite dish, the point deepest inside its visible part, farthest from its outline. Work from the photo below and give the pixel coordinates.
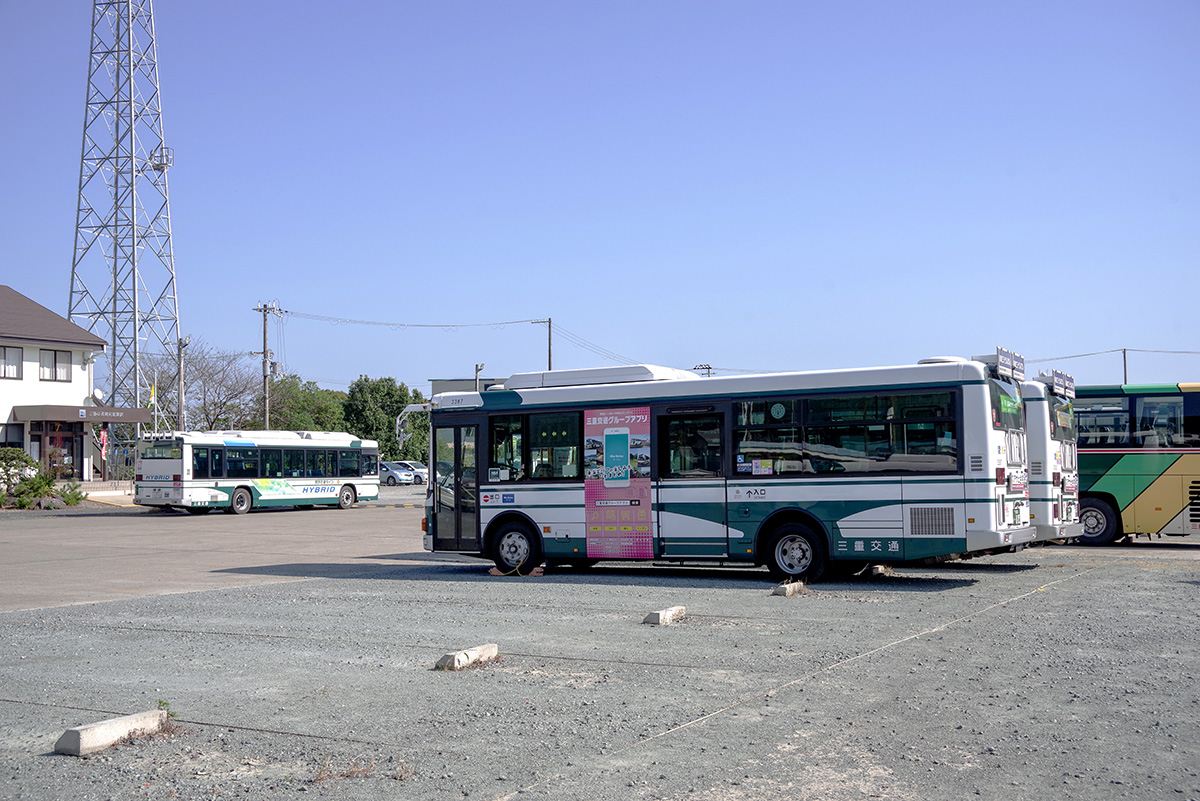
(98, 397)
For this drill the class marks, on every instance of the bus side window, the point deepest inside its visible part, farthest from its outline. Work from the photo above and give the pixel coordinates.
(293, 464)
(316, 464)
(217, 463)
(506, 451)
(199, 462)
(348, 463)
(1191, 420)
(1158, 422)
(693, 446)
(272, 463)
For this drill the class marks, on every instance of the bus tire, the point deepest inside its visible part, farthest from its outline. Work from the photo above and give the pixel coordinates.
(1101, 523)
(796, 553)
(516, 549)
(241, 501)
(346, 497)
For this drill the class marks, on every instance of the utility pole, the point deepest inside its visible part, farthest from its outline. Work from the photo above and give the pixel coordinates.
(180, 417)
(266, 308)
(549, 322)
(706, 368)
(478, 368)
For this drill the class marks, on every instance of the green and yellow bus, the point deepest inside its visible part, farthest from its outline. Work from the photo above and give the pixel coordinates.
(1139, 461)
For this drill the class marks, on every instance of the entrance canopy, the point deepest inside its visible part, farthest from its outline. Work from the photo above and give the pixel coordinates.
(91, 414)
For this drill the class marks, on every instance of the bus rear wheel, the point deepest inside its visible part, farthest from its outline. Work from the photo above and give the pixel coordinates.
(516, 549)
(346, 497)
(795, 553)
(1100, 522)
(240, 502)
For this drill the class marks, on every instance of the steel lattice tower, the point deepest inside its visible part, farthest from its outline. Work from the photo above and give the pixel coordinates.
(123, 272)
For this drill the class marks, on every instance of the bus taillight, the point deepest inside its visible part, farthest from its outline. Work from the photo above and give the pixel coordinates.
(999, 475)
(1058, 480)
(424, 525)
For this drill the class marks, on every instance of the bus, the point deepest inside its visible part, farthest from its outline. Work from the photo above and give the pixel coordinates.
(1139, 461)
(1053, 457)
(807, 473)
(199, 471)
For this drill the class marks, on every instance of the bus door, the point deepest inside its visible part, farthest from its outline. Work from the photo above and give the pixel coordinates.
(454, 483)
(690, 487)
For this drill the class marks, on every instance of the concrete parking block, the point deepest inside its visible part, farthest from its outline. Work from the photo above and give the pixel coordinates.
(461, 659)
(665, 617)
(94, 737)
(790, 589)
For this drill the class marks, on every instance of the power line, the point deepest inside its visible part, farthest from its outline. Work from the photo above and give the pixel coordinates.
(1115, 350)
(571, 336)
(594, 348)
(444, 326)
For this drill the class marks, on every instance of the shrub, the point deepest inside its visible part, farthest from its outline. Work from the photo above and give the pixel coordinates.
(32, 490)
(15, 465)
(72, 494)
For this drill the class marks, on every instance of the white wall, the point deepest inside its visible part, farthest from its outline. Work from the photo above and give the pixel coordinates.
(30, 390)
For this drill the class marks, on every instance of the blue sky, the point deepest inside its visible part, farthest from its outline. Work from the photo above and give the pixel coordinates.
(759, 185)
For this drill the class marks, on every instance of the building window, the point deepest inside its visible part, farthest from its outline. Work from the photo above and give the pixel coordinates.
(10, 362)
(56, 365)
(14, 435)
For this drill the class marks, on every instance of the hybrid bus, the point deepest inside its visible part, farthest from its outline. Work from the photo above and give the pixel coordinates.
(1139, 461)
(237, 470)
(1053, 457)
(806, 473)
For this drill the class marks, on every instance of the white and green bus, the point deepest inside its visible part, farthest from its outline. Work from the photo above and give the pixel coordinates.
(1053, 457)
(807, 473)
(237, 470)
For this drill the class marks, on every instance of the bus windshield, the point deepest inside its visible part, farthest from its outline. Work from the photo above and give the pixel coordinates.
(163, 449)
(1007, 410)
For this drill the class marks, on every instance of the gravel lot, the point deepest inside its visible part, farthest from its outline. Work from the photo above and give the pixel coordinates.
(1064, 673)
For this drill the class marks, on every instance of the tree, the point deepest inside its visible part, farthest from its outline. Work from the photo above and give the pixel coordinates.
(371, 408)
(304, 406)
(220, 389)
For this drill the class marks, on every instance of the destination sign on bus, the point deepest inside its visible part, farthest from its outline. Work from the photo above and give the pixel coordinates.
(1064, 384)
(1010, 364)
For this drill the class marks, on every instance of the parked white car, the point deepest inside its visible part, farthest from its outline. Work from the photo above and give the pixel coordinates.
(392, 473)
(420, 472)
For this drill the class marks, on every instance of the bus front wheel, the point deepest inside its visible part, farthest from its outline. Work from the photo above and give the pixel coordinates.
(516, 549)
(1100, 522)
(346, 497)
(795, 553)
(241, 501)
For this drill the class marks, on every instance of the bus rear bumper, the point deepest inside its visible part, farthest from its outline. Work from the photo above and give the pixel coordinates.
(1062, 531)
(989, 540)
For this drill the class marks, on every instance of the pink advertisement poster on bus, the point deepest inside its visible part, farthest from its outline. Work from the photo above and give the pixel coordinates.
(616, 489)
